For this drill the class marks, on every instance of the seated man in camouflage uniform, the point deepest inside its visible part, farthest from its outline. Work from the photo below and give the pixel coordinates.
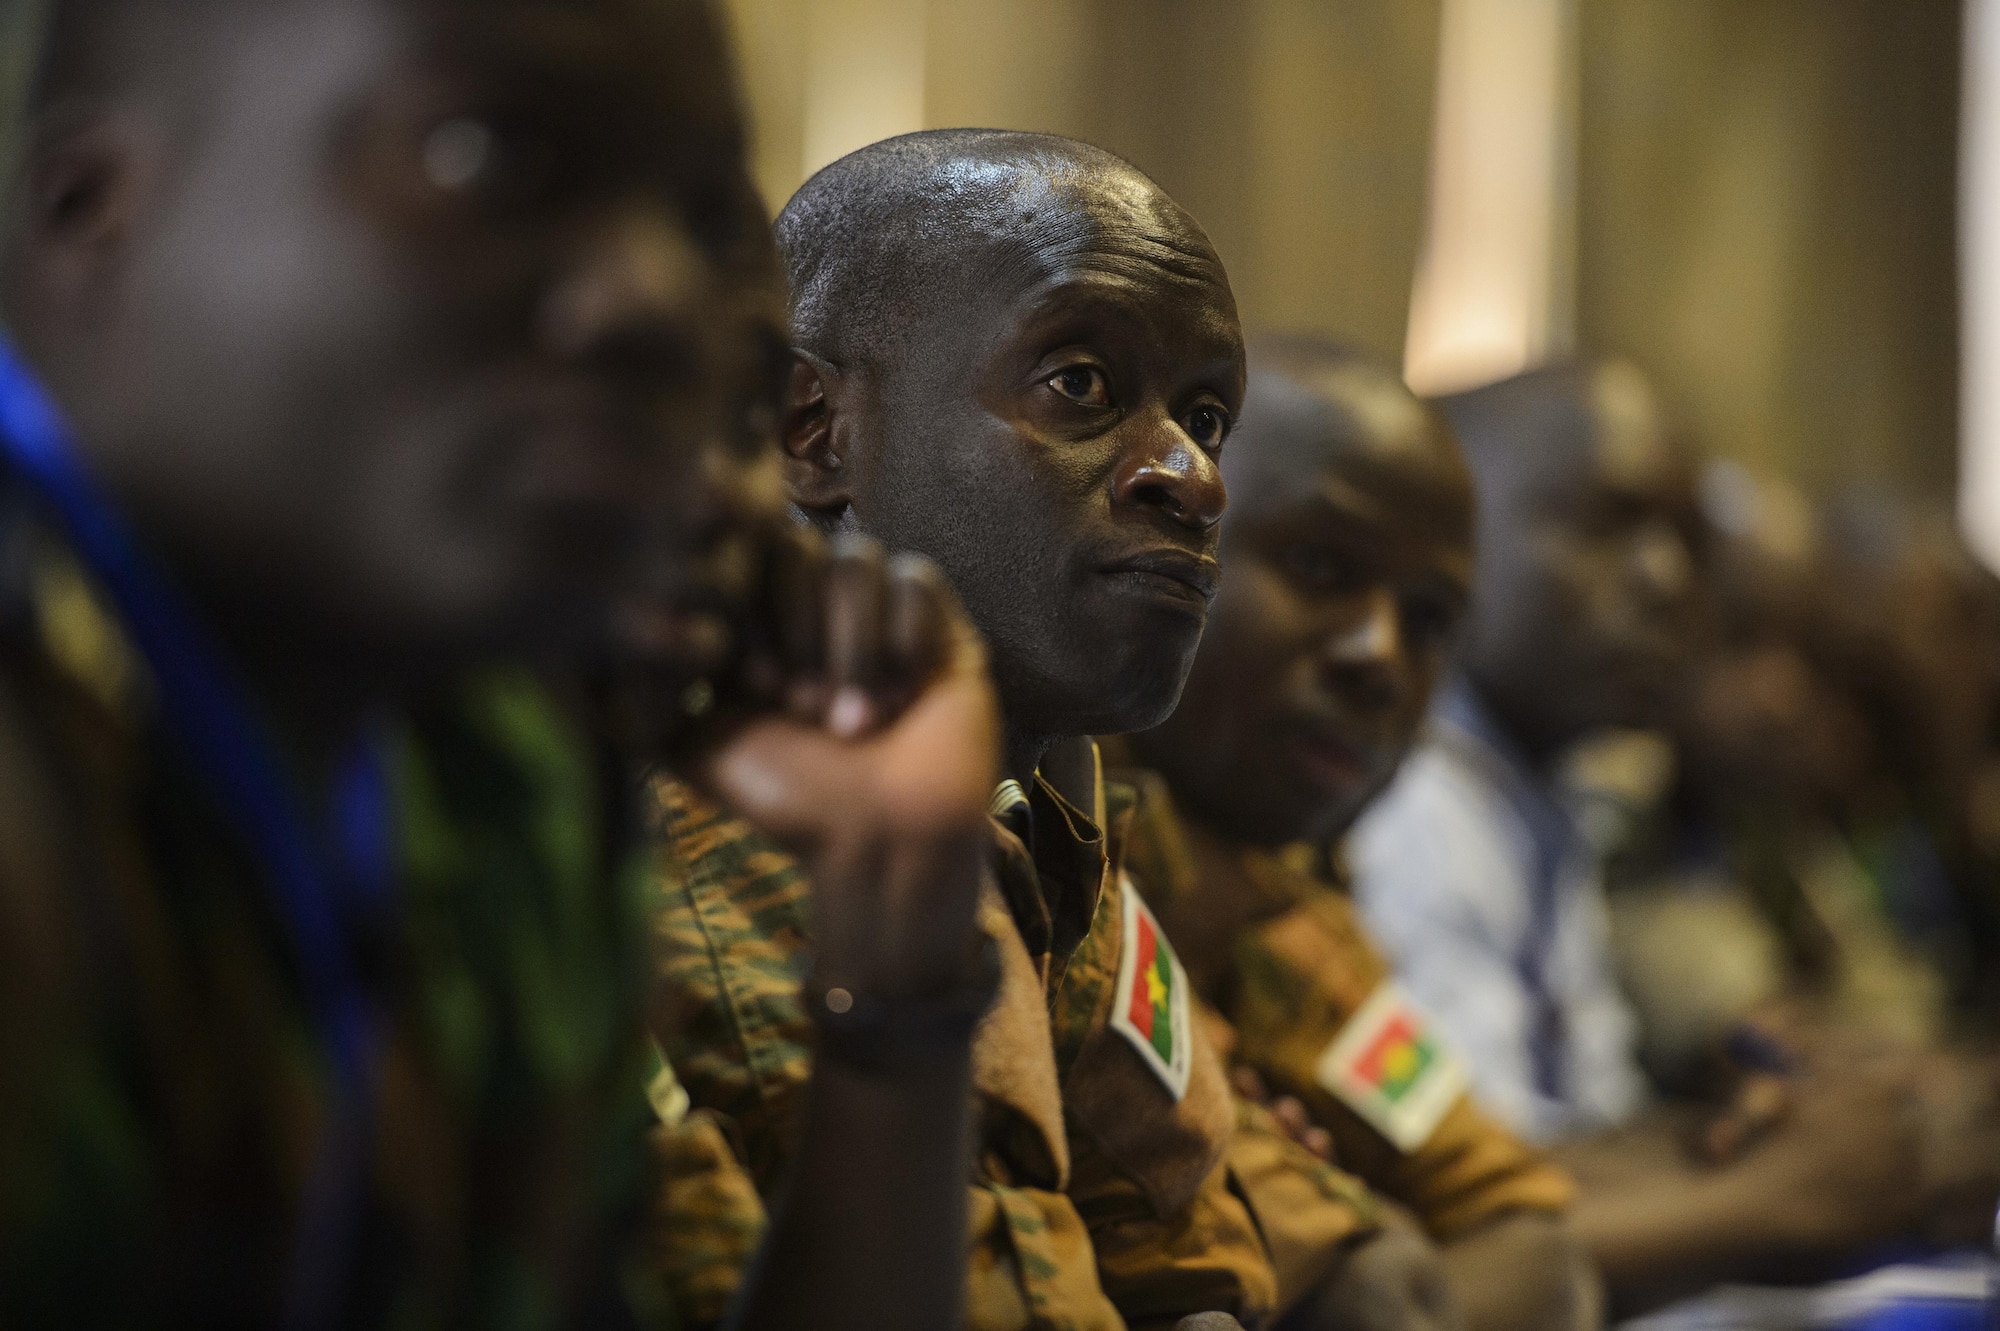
(1020, 358)
(1016, 356)
(1348, 549)
(320, 973)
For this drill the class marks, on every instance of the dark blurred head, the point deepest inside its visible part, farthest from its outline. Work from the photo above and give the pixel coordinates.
(1584, 605)
(400, 323)
(1347, 563)
(1920, 621)
(1019, 357)
(1772, 714)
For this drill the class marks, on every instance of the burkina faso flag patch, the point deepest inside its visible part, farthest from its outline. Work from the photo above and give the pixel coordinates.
(1150, 1005)
(1389, 1067)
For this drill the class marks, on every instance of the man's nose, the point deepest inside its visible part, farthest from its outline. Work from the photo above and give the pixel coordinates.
(1366, 654)
(633, 278)
(1169, 473)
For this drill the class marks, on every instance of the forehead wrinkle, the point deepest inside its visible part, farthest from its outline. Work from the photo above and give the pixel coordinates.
(1030, 238)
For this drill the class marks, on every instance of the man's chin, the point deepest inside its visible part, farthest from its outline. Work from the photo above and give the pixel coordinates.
(1139, 696)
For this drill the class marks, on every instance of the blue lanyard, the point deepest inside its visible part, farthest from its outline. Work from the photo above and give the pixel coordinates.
(210, 717)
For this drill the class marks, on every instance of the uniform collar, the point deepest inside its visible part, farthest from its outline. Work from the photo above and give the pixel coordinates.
(1052, 858)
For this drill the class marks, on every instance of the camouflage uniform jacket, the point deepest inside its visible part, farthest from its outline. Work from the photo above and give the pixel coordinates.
(161, 1088)
(1100, 1196)
(1311, 1005)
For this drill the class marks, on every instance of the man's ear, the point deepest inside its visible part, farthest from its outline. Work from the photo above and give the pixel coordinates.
(86, 182)
(815, 435)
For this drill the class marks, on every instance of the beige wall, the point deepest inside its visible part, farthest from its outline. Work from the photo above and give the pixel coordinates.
(1295, 130)
(1764, 209)
(1767, 202)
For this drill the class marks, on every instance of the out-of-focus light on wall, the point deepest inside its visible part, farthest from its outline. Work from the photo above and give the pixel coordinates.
(1494, 286)
(1979, 266)
(864, 75)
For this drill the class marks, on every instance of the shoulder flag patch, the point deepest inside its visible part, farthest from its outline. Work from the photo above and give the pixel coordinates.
(1150, 1005)
(1387, 1067)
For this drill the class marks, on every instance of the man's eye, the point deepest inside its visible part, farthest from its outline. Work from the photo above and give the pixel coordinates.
(1318, 567)
(1208, 426)
(1082, 383)
(1429, 620)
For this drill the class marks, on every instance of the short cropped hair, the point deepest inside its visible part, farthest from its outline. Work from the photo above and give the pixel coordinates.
(881, 238)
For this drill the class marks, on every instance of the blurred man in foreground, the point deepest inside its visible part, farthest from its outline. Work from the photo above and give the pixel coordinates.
(1348, 556)
(1486, 892)
(399, 340)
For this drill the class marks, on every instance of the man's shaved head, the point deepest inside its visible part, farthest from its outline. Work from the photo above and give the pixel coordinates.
(1347, 553)
(890, 234)
(1320, 407)
(1587, 522)
(403, 324)
(1019, 357)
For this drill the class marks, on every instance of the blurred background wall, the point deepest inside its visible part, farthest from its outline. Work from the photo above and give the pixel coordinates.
(1767, 200)
(1753, 199)
(1297, 131)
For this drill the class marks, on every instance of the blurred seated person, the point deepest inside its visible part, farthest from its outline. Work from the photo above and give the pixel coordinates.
(1913, 629)
(1483, 888)
(1347, 555)
(1785, 882)
(321, 986)
(1747, 861)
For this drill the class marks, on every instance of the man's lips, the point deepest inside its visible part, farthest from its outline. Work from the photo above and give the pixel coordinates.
(1330, 759)
(1178, 573)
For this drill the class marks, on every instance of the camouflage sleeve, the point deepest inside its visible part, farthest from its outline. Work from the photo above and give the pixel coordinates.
(1208, 1256)
(1308, 1212)
(729, 920)
(1032, 1267)
(705, 1225)
(729, 923)
(1307, 980)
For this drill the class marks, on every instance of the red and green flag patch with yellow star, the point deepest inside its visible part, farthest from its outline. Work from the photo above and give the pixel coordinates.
(1388, 1066)
(1150, 1004)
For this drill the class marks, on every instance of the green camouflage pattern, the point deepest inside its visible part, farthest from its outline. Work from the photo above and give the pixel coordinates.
(161, 1100)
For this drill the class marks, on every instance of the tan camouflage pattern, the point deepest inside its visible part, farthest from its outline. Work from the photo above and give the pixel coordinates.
(731, 921)
(707, 1220)
(1066, 1235)
(1311, 1214)
(1295, 978)
(1031, 1264)
(1172, 1232)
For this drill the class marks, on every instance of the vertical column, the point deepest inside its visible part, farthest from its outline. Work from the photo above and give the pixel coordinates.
(1979, 265)
(1494, 291)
